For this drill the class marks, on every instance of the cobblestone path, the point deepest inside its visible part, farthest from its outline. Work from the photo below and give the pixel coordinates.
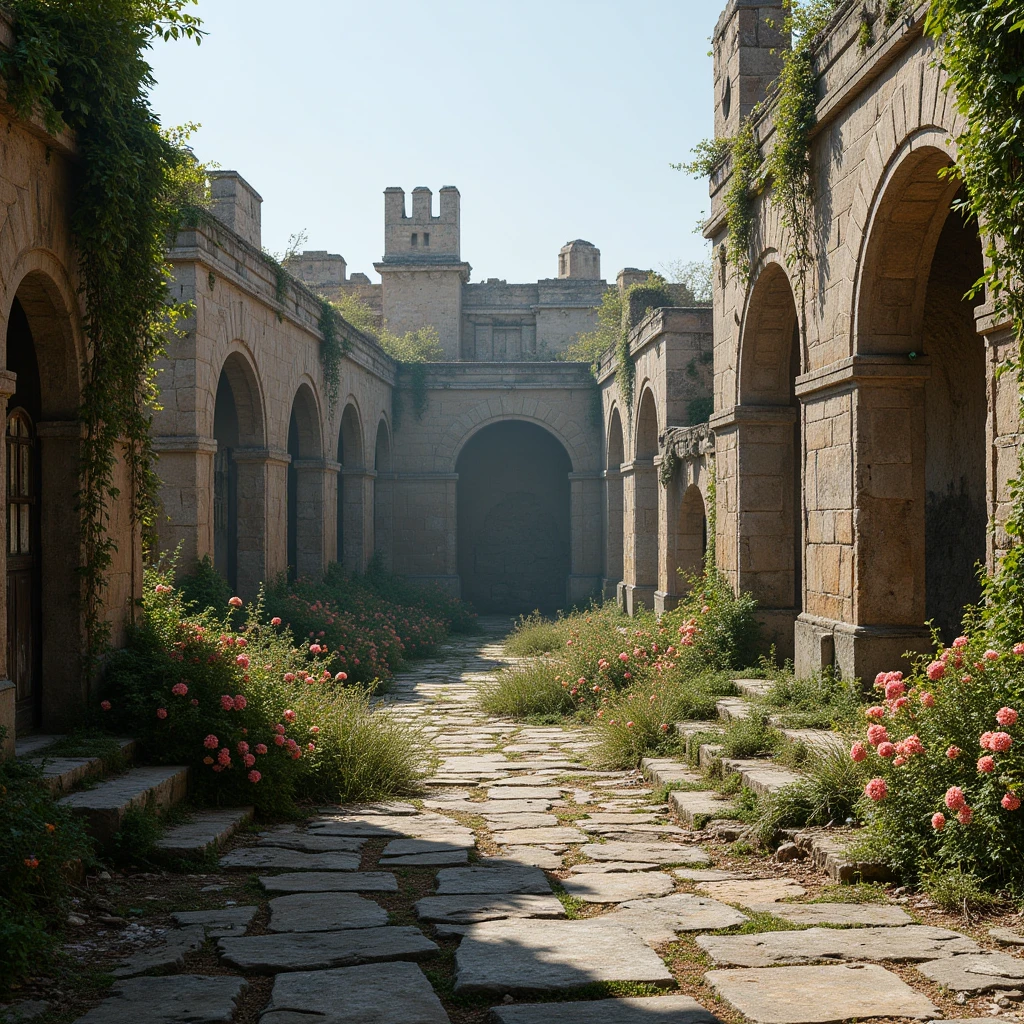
(525, 888)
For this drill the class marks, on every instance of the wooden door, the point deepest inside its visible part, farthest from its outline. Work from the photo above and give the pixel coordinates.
(23, 591)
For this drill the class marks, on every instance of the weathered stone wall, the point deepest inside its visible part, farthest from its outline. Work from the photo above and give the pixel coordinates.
(868, 469)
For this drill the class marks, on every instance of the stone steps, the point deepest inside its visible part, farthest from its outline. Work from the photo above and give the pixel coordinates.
(732, 709)
(63, 774)
(205, 831)
(104, 806)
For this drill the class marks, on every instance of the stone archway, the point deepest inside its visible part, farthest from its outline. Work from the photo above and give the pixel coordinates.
(43, 542)
(352, 487)
(921, 502)
(305, 487)
(614, 523)
(640, 509)
(691, 537)
(513, 519)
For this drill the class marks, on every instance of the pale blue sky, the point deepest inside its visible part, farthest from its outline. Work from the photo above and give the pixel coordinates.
(555, 120)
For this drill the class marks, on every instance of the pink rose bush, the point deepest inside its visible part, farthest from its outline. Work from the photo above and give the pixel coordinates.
(942, 761)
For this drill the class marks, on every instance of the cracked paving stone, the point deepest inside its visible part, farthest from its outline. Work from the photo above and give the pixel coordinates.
(309, 951)
(447, 859)
(178, 999)
(519, 957)
(819, 995)
(168, 955)
(308, 843)
(394, 993)
(658, 921)
(855, 914)
(756, 890)
(219, 922)
(976, 973)
(324, 912)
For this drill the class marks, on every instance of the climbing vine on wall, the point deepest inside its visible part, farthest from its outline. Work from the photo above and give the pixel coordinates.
(332, 348)
(638, 301)
(81, 65)
(711, 516)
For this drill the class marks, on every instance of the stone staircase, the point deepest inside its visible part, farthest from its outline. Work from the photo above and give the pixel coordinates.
(101, 797)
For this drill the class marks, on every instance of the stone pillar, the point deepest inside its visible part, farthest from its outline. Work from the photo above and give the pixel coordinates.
(640, 515)
(262, 516)
(317, 490)
(585, 536)
(357, 526)
(7, 693)
(185, 468)
(64, 687)
(613, 532)
(665, 597)
(383, 517)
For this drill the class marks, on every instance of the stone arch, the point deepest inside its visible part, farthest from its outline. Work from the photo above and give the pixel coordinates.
(305, 490)
(42, 393)
(646, 443)
(615, 456)
(691, 537)
(770, 498)
(922, 505)
(351, 488)
(382, 493)
(513, 518)
(239, 499)
(640, 508)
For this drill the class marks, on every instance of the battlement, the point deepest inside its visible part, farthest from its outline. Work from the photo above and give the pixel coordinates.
(421, 237)
(580, 259)
(318, 268)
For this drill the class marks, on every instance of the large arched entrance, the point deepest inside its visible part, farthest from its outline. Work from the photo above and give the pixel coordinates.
(43, 542)
(922, 507)
(305, 491)
(770, 534)
(614, 524)
(349, 509)
(513, 519)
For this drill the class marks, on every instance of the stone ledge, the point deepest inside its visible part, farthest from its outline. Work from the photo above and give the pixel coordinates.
(827, 851)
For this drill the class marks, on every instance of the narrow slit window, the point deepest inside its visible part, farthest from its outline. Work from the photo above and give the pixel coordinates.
(426, 238)
(414, 239)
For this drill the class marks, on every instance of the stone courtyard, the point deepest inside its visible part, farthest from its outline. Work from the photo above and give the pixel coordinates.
(523, 888)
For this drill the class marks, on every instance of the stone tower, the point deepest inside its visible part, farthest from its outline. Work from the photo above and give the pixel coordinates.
(422, 274)
(581, 260)
(748, 41)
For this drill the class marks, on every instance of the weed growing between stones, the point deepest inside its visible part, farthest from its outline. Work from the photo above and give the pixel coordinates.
(820, 701)
(959, 892)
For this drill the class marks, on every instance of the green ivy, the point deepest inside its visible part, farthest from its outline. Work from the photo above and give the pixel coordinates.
(332, 348)
(712, 517)
(81, 65)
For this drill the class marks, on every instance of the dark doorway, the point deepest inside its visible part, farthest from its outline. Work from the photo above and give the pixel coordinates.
(225, 483)
(513, 519)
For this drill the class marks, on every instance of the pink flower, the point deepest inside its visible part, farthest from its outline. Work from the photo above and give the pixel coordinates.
(211, 742)
(899, 761)
(955, 798)
(341, 677)
(194, 702)
(965, 815)
(242, 747)
(289, 715)
(242, 661)
(248, 760)
(896, 706)
(314, 648)
(886, 749)
(276, 620)
(162, 588)
(280, 729)
(858, 752)
(877, 734)
(1000, 742)
(938, 821)
(289, 677)
(986, 763)
(235, 602)
(254, 776)
(179, 689)
(227, 702)
(927, 699)
(623, 656)
(218, 767)
(991, 655)
(629, 725)
(311, 746)
(1018, 649)
(935, 670)
(953, 753)
(239, 702)
(960, 641)
(224, 756)
(876, 789)
(207, 760)
(314, 729)
(261, 748)
(894, 690)
(1006, 716)
(1010, 802)
(879, 680)
(664, 727)
(875, 712)
(279, 740)
(161, 712)
(105, 704)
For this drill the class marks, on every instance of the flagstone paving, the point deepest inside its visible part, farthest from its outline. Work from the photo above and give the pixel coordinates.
(443, 910)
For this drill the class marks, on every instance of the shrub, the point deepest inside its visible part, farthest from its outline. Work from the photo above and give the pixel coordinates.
(204, 587)
(260, 720)
(533, 691)
(958, 892)
(533, 634)
(752, 736)
(39, 840)
(820, 701)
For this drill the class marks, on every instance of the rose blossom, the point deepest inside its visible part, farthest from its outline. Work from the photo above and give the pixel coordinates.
(289, 715)
(955, 798)
(1018, 649)
(161, 712)
(289, 677)
(276, 620)
(938, 821)
(179, 689)
(875, 712)
(239, 702)
(227, 702)
(623, 656)
(279, 740)
(248, 760)
(858, 751)
(105, 704)
(254, 776)
(242, 747)
(986, 763)
(896, 706)
(235, 602)
(314, 729)
(242, 660)
(211, 742)
(964, 815)
(960, 641)
(991, 655)
(1000, 742)
(879, 680)
(877, 734)
(894, 689)
(1010, 802)
(224, 756)
(876, 789)
(927, 699)
(261, 748)
(886, 749)
(194, 702)
(1006, 716)
(953, 753)
(279, 728)
(899, 761)
(935, 670)
(341, 677)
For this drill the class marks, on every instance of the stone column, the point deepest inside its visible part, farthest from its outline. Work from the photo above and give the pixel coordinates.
(357, 526)
(613, 532)
(640, 514)
(317, 490)
(383, 517)
(585, 536)
(64, 688)
(7, 694)
(262, 516)
(185, 468)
